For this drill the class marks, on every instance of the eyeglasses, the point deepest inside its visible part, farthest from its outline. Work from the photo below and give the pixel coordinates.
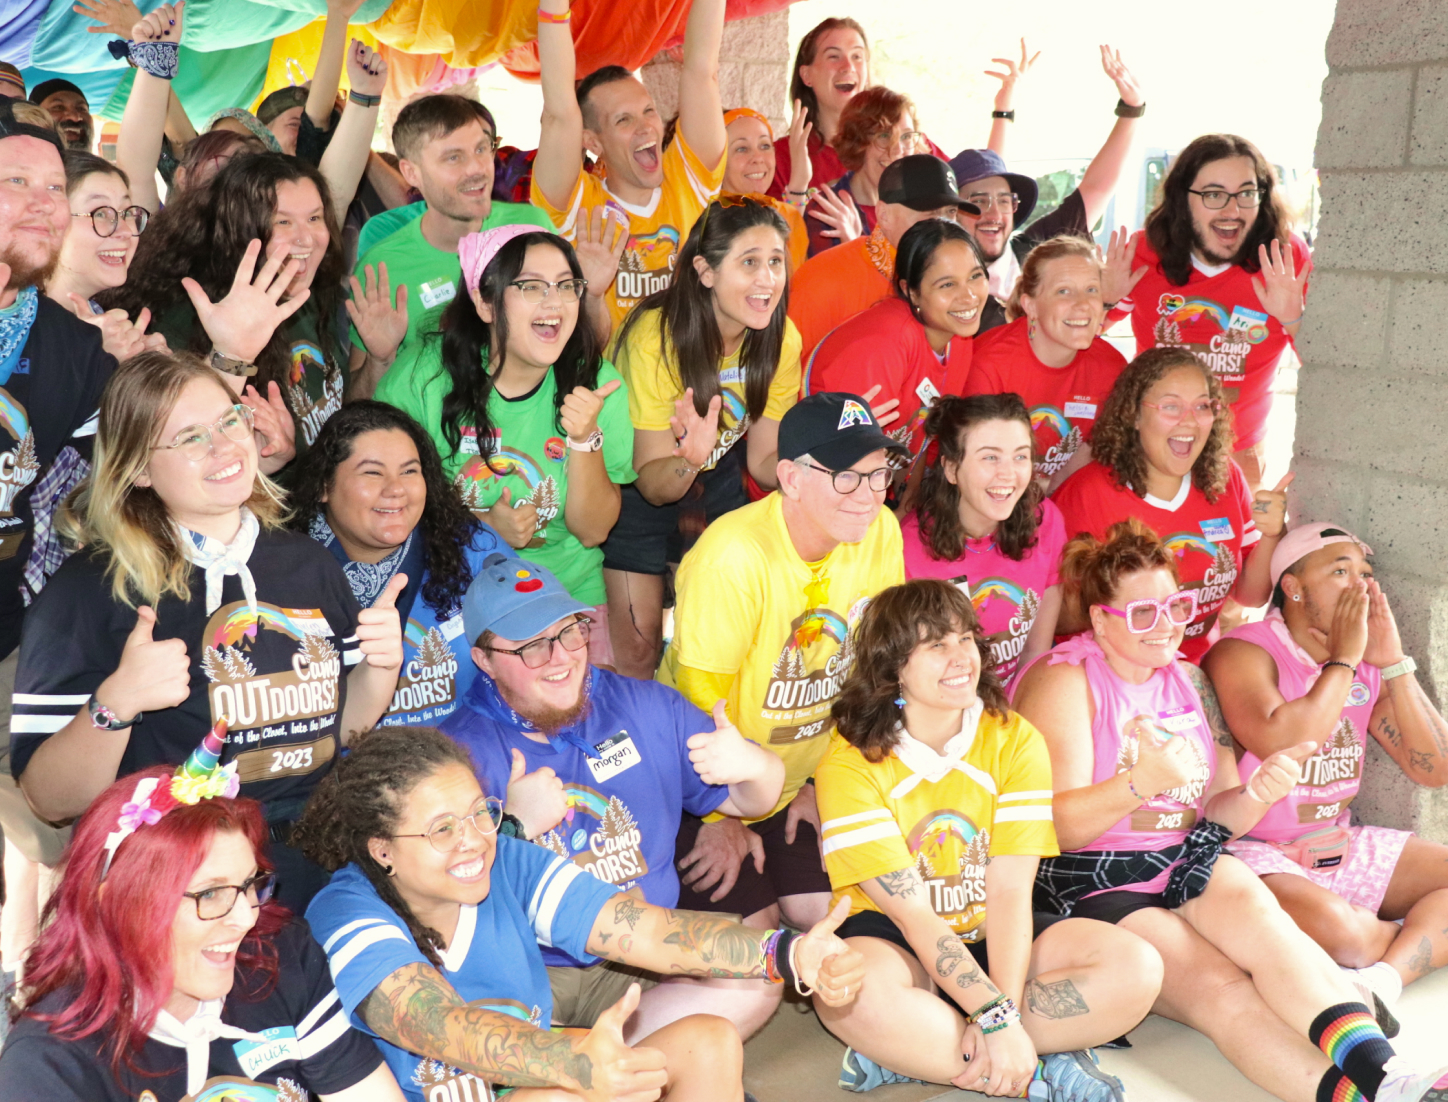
(1216, 199)
(446, 832)
(196, 442)
(1175, 412)
(535, 291)
(1142, 615)
(847, 482)
(539, 652)
(105, 220)
(218, 902)
(1006, 200)
(886, 140)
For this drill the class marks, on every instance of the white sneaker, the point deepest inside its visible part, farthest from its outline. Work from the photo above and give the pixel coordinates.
(1404, 1083)
(1379, 987)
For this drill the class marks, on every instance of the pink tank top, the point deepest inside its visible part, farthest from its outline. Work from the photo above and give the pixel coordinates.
(1168, 700)
(1331, 777)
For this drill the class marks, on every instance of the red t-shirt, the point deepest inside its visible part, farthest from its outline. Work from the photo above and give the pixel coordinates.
(1221, 319)
(1210, 540)
(885, 346)
(1063, 401)
(836, 285)
(1006, 593)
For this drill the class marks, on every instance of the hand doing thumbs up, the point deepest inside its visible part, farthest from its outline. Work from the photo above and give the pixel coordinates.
(537, 798)
(379, 630)
(515, 523)
(1276, 776)
(723, 755)
(620, 1072)
(153, 674)
(827, 963)
(581, 407)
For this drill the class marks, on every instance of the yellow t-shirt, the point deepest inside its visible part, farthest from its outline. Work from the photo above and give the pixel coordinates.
(741, 610)
(996, 802)
(656, 229)
(654, 386)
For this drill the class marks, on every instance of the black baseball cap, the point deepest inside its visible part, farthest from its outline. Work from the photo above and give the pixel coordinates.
(922, 181)
(11, 127)
(835, 428)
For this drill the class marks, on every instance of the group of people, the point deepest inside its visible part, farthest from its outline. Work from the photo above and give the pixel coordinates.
(792, 480)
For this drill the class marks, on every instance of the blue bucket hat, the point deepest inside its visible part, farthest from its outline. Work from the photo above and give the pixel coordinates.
(515, 598)
(971, 165)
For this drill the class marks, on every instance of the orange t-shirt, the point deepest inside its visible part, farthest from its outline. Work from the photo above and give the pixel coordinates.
(837, 284)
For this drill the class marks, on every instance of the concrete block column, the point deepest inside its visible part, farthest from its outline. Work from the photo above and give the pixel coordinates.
(1372, 403)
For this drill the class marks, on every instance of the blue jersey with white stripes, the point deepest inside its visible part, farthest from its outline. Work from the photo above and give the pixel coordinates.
(535, 898)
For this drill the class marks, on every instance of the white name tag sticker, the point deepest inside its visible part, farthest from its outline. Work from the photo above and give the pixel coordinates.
(1085, 410)
(926, 392)
(468, 440)
(962, 583)
(453, 628)
(1218, 530)
(256, 1056)
(616, 754)
(1177, 720)
(437, 292)
(731, 375)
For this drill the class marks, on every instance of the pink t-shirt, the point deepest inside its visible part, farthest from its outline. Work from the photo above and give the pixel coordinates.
(1168, 700)
(1006, 593)
(1331, 777)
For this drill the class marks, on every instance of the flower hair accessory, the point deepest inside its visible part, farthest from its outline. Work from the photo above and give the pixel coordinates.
(201, 778)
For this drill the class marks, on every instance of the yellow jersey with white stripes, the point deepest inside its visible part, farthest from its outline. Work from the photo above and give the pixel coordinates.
(990, 798)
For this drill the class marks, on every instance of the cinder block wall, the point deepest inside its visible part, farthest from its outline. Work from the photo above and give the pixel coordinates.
(1372, 404)
(753, 69)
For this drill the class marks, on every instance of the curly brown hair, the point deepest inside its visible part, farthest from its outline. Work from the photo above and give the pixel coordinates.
(937, 505)
(1116, 444)
(1094, 568)
(893, 625)
(871, 112)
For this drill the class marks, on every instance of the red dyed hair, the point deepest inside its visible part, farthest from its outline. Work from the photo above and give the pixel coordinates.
(112, 948)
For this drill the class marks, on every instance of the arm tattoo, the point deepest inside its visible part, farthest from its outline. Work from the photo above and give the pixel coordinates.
(1391, 733)
(1055, 1000)
(906, 882)
(1211, 707)
(726, 949)
(954, 955)
(416, 1009)
(1421, 962)
(628, 911)
(1421, 761)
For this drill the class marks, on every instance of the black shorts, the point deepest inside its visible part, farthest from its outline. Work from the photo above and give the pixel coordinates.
(788, 869)
(1115, 905)
(646, 538)
(882, 926)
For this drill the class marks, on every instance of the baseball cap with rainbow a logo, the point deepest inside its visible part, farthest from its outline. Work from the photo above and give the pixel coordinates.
(836, 429)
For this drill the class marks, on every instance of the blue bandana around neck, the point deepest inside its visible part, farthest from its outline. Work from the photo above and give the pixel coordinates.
(485, 698)
(368, 579)
(15, 325)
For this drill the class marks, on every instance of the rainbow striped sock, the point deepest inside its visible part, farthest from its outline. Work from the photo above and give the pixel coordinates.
(1337, 1087)
(1349, 1035)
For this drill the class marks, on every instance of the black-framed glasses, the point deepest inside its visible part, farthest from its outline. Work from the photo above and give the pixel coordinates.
(105, 220)
(1216, 199)
(1006, 200)
(535, 291)
(196, 442)
(536, 655)
(220, 901)
(847, 482)
(446, 831)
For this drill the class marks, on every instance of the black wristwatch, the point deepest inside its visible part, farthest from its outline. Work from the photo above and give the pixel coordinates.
(512, 827)
(1009, 115)
(1124, 110)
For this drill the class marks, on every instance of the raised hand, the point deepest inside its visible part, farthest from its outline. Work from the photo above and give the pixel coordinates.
(153, 673)
(827, 963)
(161, 25)
(1126, 86)
(1118, 277)
(599, 244)
(120, 336)
(381, 320)
(515, 523)
(1269, 508)
(1346, 639)
(580, 410)
(1384, 648)
(379, 629)
(366, 69)
(1014, 70)
(273, 422)
(695, 435)
(115, 17)
(241, 323)
(885, 412)
(620, 1073)
(837, 210)
(1276, 776)
(718, 852)
(537, 798)
(344, 8)
(1281, 288)
(801, 171)
(723, 755)
(1163, 760)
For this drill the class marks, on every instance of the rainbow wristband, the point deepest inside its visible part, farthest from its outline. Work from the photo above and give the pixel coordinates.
(551, 17)
(768, 957)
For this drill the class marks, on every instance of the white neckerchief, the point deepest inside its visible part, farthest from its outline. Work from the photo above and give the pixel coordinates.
(220, 559)
(1003, 272)
(927, 765)
(195, 1036)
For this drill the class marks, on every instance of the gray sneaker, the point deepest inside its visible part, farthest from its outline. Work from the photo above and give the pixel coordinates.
(1075, 1077)
(859, 1073)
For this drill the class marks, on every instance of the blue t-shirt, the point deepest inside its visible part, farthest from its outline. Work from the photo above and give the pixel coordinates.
(624, 799)
(535, 899)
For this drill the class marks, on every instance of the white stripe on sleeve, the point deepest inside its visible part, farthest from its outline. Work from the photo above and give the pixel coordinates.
(74, 700)
(858, 817)
(347, 929)
(351, 657)
(548, 896)
(1023, 814)
(1030, 794)
(863, 835)
(365, 940)
(38, 725)
(314, 1015)
(332, 1030)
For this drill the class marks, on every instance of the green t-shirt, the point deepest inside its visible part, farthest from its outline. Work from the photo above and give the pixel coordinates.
(529, 456)
(430, 274)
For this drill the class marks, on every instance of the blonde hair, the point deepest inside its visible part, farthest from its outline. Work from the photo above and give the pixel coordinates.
(130, 523)
(31, 114)
(1032, 268)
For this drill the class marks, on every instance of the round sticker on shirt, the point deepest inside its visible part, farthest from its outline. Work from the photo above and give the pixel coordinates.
(553, 448)
(1358, 695)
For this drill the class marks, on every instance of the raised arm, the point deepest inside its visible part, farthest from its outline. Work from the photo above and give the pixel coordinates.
(327, 75)
(1104, 172)
(560, 142)
(346, 156)
(1005, 97)
(701, 116)
(1404, 720)
(138, 148)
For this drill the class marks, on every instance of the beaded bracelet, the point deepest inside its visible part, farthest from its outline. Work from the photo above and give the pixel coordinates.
(1131, 786)
(361, 100)
(997, 1015)
(550, 17)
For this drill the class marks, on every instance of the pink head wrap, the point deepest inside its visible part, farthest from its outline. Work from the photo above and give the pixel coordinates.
(476, 250)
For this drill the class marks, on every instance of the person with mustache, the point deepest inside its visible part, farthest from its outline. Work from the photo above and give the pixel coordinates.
(1223, 274)
(70, 110)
